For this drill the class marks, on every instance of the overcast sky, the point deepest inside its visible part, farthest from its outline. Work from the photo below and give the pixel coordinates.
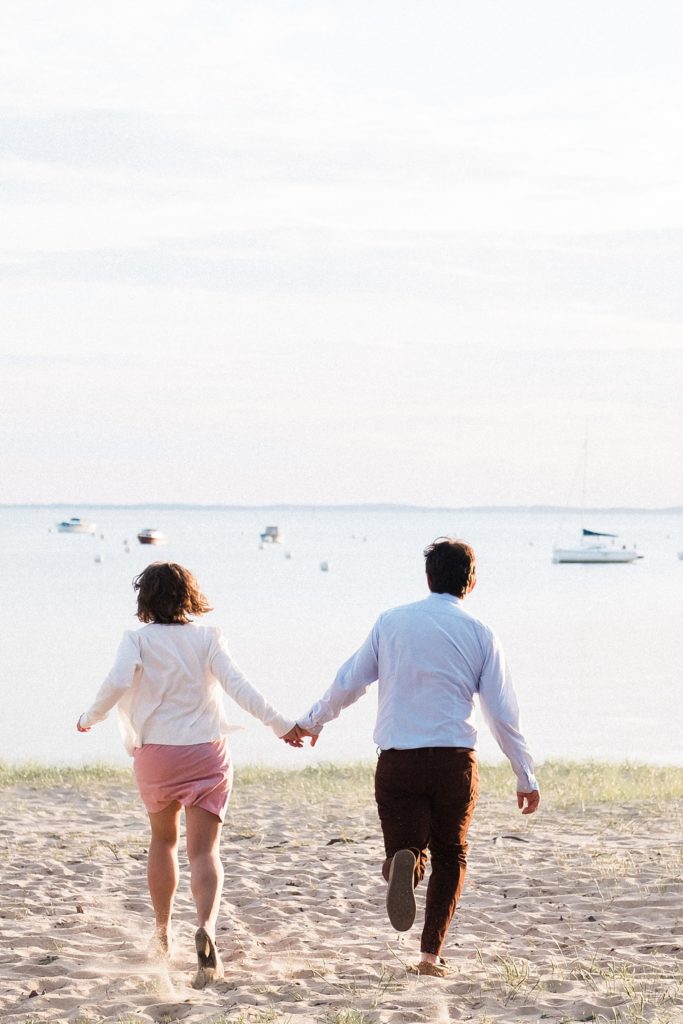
(338, 252)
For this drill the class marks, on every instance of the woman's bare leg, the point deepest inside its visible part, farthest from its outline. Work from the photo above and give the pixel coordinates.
(162, 867)
(206, 877)
(205, 865)
(206, 870)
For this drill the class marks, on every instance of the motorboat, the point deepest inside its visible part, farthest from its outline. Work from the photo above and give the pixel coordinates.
(76, 525)
(272, 535)
(593, 549)
(152, 536)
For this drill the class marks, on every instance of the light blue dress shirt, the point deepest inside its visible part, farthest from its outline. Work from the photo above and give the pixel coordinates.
(429, 659)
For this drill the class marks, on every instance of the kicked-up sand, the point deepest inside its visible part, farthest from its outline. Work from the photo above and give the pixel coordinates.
(574, 914)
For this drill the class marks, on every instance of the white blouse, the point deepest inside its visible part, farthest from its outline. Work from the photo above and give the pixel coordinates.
(166, 684)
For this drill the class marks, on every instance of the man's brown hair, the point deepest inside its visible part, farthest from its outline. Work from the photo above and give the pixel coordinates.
(451, 566)
(168, 593)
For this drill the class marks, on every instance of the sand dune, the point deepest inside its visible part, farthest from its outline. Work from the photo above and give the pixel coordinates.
(571, 916)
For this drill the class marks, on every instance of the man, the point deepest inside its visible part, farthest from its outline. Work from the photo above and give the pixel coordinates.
(430, 658)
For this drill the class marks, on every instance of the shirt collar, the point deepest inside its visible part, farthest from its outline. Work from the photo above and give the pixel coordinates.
(451, 598)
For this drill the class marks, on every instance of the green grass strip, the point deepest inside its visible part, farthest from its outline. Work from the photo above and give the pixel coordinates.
(563, 783)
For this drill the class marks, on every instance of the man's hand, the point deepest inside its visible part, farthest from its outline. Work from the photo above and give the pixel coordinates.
(528, 802)
(295, 736)
(82, 728)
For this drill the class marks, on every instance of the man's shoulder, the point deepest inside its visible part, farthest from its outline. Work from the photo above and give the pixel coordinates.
(438, 610)
(400, 610)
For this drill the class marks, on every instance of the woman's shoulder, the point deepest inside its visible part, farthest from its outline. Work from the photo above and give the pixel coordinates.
(204, 630)
(177, 636)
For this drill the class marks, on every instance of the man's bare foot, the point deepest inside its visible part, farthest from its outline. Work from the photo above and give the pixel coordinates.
(429, 970)
(209, 965)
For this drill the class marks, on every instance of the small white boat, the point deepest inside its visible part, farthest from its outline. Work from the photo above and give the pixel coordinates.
(76, 525)
(272, 535)
(152, 536)
(593, 550)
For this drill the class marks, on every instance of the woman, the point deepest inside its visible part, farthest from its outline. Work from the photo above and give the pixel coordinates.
(166, 684)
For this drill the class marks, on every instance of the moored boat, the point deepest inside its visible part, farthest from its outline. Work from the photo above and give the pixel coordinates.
(272, 535)
(152, 536)
(596, 551)
(76, 525)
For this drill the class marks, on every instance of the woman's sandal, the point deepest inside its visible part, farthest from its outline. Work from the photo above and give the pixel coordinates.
(209, 965)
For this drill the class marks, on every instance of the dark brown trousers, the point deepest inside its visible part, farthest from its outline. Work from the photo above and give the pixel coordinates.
(426, 798)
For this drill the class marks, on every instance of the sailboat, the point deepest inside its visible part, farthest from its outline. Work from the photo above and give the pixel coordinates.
(595, 546)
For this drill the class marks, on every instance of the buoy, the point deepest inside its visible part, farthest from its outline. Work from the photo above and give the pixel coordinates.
(288, 554)
(324, 567)
(98, 558)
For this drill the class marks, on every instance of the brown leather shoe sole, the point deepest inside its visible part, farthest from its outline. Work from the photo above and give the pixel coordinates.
(401, 907)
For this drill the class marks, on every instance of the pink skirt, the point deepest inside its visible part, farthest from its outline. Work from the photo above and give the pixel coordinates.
(195, 774)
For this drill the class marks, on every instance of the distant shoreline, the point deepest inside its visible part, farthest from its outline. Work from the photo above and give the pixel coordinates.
(369, 507)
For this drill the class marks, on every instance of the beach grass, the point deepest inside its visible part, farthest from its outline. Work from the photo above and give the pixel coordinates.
(563, 783)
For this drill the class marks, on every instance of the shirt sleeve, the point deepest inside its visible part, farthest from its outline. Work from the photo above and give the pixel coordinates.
(498, 702)
(350, 683)
(117, 682)
(239, 689)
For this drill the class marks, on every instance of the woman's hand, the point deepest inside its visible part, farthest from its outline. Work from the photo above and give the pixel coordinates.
(295, 737)
(82, 728)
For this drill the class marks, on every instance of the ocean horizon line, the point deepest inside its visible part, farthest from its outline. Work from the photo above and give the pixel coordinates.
(348, 507)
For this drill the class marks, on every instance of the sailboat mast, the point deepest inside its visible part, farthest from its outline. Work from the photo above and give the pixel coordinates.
(585, 480)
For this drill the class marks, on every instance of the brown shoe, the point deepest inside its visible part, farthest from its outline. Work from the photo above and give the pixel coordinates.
(209, 966)
(401, 906)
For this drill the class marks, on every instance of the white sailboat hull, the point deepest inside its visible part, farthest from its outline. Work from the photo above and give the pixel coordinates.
(596, 554)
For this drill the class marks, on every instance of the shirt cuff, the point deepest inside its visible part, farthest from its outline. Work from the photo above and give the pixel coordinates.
(527, 783)
(282, 726)
(306, 723)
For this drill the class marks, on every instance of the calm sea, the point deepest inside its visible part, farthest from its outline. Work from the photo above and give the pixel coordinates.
(595, 650)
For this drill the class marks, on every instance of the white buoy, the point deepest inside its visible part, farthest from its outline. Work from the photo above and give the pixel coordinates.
(324, 567)
(288, 554)
(99, 558)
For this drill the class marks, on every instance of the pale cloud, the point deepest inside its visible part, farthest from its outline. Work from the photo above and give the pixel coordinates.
(353, 243)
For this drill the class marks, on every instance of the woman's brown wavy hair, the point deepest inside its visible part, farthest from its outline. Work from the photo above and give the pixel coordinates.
(168, 593)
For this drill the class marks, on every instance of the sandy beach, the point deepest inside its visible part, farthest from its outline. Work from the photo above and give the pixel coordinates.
(573, 915)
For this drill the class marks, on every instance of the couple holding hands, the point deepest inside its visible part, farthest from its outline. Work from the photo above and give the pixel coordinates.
(428, 658)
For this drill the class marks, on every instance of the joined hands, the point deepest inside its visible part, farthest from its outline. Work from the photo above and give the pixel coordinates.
(295, 736)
